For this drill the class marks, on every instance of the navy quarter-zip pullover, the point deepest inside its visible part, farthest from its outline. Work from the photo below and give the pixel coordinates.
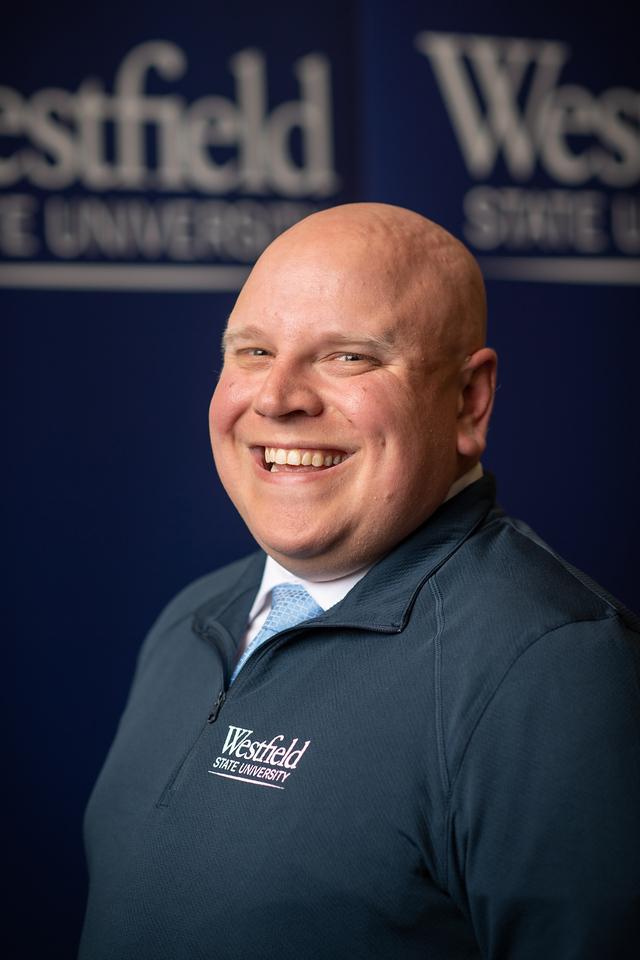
(444, 765)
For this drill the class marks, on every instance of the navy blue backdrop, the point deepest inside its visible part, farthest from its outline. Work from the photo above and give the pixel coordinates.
(147, 155)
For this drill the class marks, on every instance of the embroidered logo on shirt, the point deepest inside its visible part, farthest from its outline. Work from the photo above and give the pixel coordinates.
(267, 764)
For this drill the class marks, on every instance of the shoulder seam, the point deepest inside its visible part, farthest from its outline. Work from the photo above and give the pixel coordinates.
(590, 585)
(440, 623)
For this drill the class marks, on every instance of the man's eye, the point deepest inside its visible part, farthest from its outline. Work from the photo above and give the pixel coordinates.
(356, 358)
(253, 352)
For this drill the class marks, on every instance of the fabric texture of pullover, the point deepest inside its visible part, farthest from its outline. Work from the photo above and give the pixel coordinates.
(444, 765)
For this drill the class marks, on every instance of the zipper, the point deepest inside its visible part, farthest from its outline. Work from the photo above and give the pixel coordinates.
(222, 695)
(217, 707)
(249, 665)
(170, 788)
(165, 796)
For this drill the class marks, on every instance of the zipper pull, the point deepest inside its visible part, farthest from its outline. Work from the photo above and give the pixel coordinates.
(217, 707)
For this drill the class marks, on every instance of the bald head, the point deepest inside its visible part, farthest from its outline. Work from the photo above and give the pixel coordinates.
(399, 254)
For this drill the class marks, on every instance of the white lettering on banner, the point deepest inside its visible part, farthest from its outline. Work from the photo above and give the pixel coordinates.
(69, 132)
(266, 757)
(17, 225)
(277, 157)
(553, 220)
(505, 102)
(521, 112)
(180, 228)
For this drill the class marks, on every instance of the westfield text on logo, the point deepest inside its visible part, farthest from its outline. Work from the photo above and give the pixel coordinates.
(266, 763)
(512, 116)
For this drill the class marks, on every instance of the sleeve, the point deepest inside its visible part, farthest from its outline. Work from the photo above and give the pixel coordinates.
(544, 820)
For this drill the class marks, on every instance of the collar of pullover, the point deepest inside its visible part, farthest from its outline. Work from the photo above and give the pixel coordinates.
(383, 599)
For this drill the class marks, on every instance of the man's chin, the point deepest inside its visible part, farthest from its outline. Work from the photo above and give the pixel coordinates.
(291, 551)
(309, 558)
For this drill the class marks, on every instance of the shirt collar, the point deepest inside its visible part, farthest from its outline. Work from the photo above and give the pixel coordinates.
(326, 593)
(464, 481)
(330, 592)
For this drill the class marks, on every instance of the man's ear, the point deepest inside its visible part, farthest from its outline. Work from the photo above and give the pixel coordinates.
(475, 402)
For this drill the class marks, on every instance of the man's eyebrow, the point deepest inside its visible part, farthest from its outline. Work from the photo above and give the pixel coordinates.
(386, 341)
(241, 333)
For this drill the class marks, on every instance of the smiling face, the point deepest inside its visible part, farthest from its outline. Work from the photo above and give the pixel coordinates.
(343, 412)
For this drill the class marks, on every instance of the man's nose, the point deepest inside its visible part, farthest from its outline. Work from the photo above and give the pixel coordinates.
(287, 389)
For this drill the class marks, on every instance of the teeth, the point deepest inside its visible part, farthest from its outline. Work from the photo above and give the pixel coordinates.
(305, 458)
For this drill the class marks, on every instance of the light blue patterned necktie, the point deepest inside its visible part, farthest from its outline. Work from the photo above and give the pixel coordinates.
(290, 605)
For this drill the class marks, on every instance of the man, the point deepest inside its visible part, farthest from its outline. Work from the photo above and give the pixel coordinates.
(437, 754)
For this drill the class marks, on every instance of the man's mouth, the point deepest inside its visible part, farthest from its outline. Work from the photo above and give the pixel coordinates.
(277, 459)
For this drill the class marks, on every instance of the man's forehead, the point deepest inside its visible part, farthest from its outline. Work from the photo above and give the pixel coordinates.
(330, 279)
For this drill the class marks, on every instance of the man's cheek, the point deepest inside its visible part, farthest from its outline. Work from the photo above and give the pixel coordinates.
(229, 401)
(363, 405)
